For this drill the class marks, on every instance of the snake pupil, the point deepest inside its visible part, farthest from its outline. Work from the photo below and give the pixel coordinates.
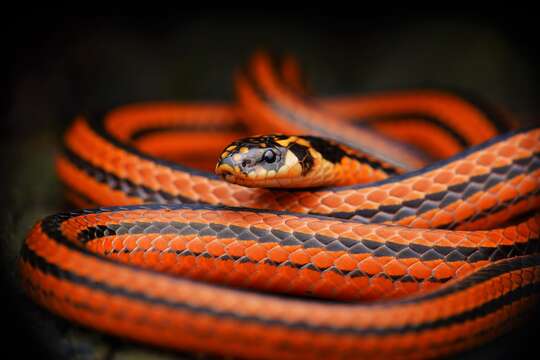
(269, 156)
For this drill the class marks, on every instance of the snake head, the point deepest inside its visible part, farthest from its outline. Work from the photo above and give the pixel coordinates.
(259, 161)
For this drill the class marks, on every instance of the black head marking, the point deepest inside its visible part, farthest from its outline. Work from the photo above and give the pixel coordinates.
(304, 156)
(328, 149)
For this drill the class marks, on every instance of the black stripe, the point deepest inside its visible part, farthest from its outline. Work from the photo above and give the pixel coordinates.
(51, 227)
(327, 243)
(124, 185)
(485, 274)
(439, 200)
(96, 122)
(493, 210)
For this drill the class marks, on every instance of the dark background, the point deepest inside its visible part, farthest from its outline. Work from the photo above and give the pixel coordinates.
(58, 67)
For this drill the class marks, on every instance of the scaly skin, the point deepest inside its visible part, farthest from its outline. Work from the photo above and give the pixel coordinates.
(429, 263)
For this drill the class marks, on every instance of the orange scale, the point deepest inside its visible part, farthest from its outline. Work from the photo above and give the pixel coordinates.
(180, 182)
(444, 177)
(332, 201)
(454, 238)
(272, 220)
(466, 210)
(279, 283)
(420, 270)
(346, 262)
(528, 143)
(185, 262)
(322, 259)
(278, 254)
(377, 196)
(221, 192)
(370, 266)
(195, 245)
(168, 259)
(493, 239)
(122, 257)
(324, 289)
(416, 222)
(215, 248)
(309, 201)
(131, 242)
(382, 285)
(301, 286)
(488, 200)
(408, 234)
(400, 191)
(334, 278)
(511, 235)
(137, 257)
(160, 243)
(422, 185)
(253, 219)
(347, 292)
(242, 197)
(300, 257)
(361, 283)
(316, 225)
(201, 187)
(361, 231)
(529, 184)
(175, 243)
(443, 271)
(355, 199)
(339, 228)
(256, 252)
(486, 158)
(117, 244)
(395, 268)
(165, 181)
(509, 150)
(442, 217)
(321, 209)
(204, 268)
(430, 237)
(464, 168)
(405, 288)
(286, 271)
(148, 176)
(108, 246)
(533, 225)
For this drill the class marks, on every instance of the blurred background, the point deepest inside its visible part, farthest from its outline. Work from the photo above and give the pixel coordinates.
(58, 67)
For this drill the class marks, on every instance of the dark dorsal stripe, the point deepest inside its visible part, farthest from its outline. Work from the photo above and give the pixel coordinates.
(334, 153)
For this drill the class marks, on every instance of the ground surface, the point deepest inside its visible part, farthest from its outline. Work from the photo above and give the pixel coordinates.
(81, 64)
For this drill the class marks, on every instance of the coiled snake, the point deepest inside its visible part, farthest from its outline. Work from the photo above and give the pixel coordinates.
(427, 260)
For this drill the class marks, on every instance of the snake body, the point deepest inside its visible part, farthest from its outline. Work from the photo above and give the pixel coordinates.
(428, 262)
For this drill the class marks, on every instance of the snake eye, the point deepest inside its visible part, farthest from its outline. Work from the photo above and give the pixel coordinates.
(269, 156)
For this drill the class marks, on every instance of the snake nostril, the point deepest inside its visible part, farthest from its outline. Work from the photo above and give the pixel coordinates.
(246, 163)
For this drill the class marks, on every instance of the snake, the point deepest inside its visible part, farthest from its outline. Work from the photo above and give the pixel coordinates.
(403, 224)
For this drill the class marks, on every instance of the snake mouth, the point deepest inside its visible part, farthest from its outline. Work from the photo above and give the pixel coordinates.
(224, 170)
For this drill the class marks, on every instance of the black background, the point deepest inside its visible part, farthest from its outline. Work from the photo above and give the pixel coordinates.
(59, 66)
